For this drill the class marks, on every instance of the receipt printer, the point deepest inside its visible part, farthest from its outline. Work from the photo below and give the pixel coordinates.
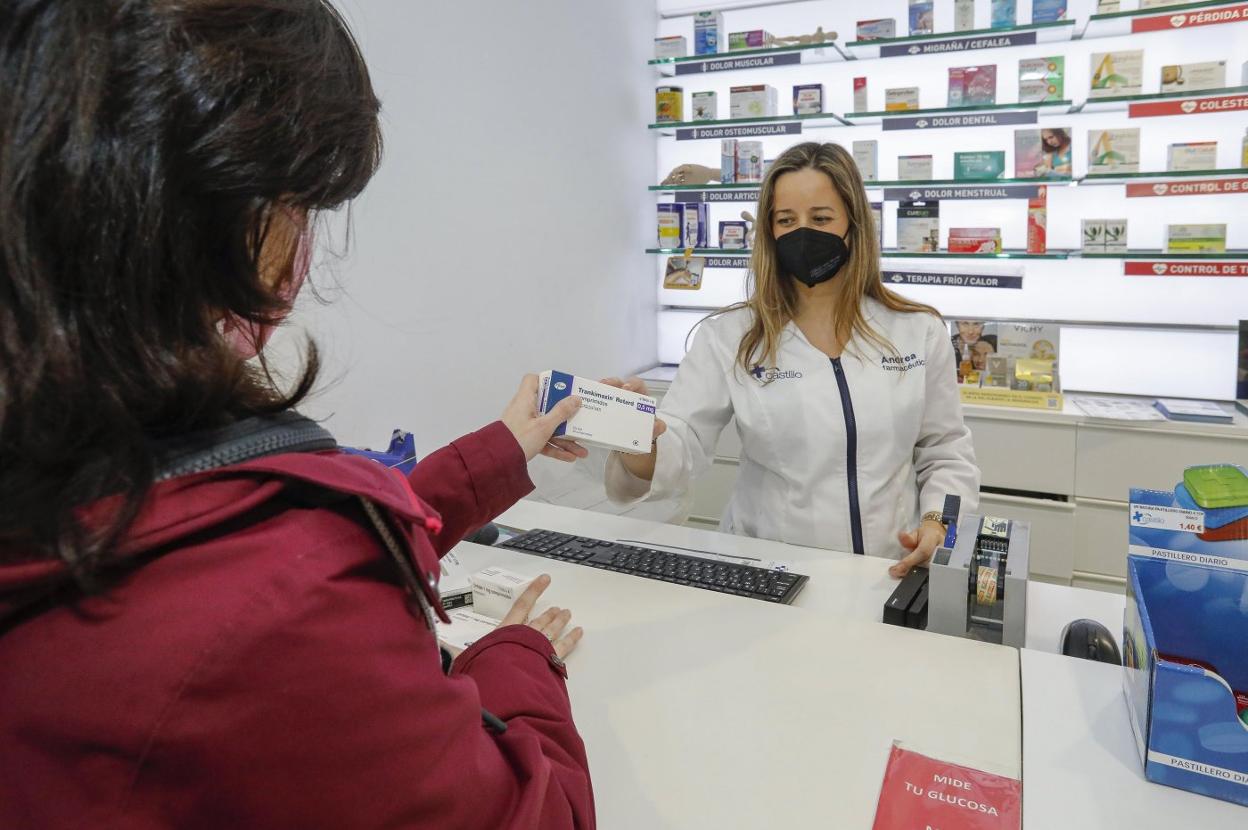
(977, 583)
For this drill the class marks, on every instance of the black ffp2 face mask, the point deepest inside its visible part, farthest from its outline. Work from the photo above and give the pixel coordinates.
(811, 256)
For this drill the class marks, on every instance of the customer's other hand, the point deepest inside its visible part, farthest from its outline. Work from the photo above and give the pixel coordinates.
(534, 432)
(552, 622)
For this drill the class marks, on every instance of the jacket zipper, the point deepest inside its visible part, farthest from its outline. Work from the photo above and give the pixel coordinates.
(851, 452)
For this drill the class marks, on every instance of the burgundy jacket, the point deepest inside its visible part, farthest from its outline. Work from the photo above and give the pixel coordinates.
(259, 667)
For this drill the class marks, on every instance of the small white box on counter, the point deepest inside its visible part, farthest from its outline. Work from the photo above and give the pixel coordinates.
(608, 417)
(466, 627)
(495, 590)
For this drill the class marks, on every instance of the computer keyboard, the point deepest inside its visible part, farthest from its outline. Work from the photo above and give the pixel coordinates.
(680, 569)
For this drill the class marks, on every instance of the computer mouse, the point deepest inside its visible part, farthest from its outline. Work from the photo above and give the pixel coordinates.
(1089, 640)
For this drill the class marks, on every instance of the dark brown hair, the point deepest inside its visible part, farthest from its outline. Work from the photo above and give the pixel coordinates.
(143, 147)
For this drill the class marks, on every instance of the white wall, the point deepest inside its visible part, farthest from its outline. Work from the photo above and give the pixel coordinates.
(504, 231)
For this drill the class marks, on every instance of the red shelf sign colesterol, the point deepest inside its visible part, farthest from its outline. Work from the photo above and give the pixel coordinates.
(921, 792)
(1206, 17)
(1189, 106)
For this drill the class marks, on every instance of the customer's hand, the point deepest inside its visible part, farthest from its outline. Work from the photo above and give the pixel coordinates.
(533, 431)
(640, 465)
(550, 622)
(921, 543)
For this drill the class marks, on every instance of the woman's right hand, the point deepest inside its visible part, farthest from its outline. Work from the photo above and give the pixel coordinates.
(550, 623)
(640, 465)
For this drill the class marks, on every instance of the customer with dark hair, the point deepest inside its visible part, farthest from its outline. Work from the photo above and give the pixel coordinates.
(209, 615)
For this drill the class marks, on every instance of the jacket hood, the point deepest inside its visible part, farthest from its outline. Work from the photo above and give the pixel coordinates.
(177, 508)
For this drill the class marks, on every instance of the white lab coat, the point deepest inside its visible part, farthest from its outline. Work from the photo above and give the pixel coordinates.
(798, 474)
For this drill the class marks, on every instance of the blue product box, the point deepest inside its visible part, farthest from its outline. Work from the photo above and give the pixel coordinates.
(1004, 14)
(708, 31)
(696, 216)
(922, 21)
(1048, 11)
(1184, 652)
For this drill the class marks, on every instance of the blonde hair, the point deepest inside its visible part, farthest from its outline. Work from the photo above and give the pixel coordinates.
(773, 295)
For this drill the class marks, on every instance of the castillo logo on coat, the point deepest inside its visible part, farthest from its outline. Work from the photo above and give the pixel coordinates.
(768, 375)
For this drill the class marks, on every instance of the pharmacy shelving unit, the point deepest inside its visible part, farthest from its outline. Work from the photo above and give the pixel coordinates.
(1167, 318)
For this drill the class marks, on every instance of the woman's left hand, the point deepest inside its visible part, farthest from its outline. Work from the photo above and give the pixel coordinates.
(921, 543)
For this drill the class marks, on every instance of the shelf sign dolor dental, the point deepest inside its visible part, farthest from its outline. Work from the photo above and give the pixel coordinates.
(961, 119)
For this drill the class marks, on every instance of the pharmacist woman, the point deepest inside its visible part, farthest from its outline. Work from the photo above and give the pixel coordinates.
(844, 394)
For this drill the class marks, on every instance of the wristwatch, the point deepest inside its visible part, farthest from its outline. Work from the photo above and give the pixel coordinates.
(934, 516)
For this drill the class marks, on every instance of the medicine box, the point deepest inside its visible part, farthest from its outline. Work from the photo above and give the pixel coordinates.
(753, 39)
(466, 626)
(1195, 155)
(867, 157)
(671, 224)
(1114, 151)
(1094, 235)
(914, 168)
(922, 17)
(808, 99)
(918, 227)
(1196, 239)
(708, 32)
(669, 102)
(1117, 73)
(727, 160)
(671, 47)
(983, 165)
(974, 240)
(694, 231)
(1041, 79)
(877, 29)
(1048, 11)
(1193, 77)
(860, 95)
(1115, 236)
(1038, 222)
(1004, 14)
(756, 101)
(609, 417)
(749, 161)
(705, 106)
(963, 15)
(1028, 341)
(901, 98)
(877, 216)
(732, 235)
(495, 590)
(972, 86)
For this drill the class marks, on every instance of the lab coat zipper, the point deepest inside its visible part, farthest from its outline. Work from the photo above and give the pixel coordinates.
(851, 452)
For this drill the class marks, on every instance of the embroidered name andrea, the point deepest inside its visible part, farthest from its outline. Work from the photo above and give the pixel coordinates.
(900, 363)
